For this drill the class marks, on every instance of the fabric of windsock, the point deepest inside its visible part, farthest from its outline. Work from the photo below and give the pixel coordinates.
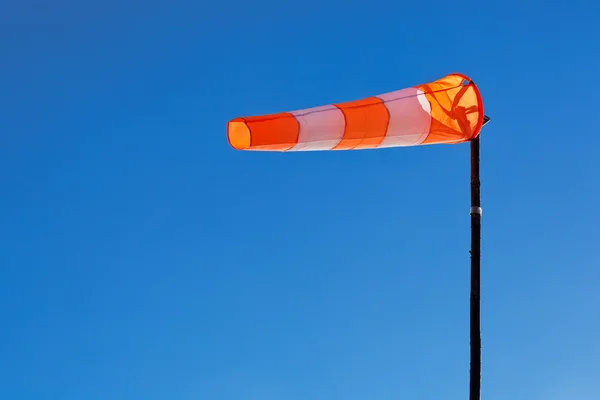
(446, 111)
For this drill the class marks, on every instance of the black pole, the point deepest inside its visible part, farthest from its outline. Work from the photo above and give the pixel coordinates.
(475, 374)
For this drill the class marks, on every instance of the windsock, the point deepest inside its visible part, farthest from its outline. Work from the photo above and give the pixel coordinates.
(446, 111)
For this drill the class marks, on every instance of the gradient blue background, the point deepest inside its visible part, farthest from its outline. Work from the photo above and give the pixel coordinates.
(143, 258)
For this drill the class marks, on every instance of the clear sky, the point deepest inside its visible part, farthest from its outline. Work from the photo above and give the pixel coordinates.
(143, 258)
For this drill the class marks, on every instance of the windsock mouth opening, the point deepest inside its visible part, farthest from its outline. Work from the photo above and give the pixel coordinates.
(238, 134)
(480, 122)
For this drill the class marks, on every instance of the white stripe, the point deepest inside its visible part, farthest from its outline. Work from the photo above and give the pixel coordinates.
(410, 117)
(321, 128)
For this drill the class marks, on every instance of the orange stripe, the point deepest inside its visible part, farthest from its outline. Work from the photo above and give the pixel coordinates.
(366, 123)
(480, 112)
(444, 98)
(440, 133)
(275, 132)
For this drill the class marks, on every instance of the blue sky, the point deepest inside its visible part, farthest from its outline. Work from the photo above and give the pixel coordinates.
(143, 258)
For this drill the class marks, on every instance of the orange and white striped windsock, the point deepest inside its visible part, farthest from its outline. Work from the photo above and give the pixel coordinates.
(448, 110)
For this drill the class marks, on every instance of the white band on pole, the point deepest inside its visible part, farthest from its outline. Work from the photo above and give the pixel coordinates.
(476, 210)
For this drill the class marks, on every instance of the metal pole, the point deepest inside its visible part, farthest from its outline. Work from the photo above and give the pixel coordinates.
(475, 375)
